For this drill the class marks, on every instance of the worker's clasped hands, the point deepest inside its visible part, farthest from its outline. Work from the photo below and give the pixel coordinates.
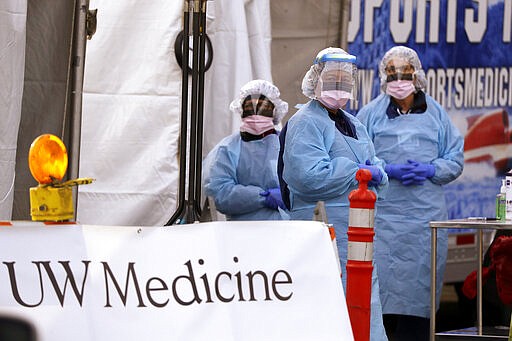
(273, 198)
(412, 173)
(376, 173)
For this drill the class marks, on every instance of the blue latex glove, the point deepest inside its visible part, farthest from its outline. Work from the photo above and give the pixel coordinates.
(273, 198)
(398, 170)
(426, 170)
(418, 175)
(376, 173)
(413, 179)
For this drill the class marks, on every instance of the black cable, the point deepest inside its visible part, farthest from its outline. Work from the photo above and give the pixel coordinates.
(179, 48)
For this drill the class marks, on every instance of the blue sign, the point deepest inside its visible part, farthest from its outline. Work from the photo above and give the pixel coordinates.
(466, 52)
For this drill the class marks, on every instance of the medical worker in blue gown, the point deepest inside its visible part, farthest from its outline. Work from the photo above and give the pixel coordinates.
(423, 151)
(323, 149)
(240, 173)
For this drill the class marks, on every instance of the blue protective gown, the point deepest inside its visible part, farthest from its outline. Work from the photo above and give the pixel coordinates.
(320, 163)
(402, 247)
(237, 171)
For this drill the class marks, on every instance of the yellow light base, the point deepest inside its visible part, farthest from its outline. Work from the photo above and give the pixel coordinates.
(49, 203)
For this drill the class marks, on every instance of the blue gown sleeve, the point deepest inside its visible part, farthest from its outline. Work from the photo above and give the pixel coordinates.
(381, 189)
(309, 169)
(450, 162)
(383, 186)
(221, 183)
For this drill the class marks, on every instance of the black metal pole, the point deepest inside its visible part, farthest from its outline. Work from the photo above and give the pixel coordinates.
(200, 104)
(189, 209)
(191, 216)
(183, 126)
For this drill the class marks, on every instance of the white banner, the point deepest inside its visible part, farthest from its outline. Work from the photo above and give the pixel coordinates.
(211, 281)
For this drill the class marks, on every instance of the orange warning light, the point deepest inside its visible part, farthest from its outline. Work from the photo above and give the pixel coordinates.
(47, 159)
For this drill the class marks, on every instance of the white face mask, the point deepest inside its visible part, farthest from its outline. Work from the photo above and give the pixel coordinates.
(400, 89)
(257, 124)
(334, 99)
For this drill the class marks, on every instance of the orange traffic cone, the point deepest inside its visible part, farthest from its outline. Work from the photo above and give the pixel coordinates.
(360, 254)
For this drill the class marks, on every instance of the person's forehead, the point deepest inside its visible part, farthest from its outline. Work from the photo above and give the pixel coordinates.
(336, 75)
(256, 99)
(398, 62)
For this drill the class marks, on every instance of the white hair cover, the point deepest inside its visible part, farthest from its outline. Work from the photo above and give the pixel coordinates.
(261, 87)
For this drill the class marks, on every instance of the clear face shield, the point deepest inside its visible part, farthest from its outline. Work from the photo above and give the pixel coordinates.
(257, 105)
(399, 69)
(338, 77)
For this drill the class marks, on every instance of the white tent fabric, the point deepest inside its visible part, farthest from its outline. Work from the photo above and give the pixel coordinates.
(131, 103)
(13, 17)
(241, 35)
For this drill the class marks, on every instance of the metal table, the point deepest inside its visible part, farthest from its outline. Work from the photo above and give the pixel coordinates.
(479, 224)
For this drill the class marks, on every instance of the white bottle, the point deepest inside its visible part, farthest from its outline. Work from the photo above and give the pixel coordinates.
(501, 201)
(508, 196)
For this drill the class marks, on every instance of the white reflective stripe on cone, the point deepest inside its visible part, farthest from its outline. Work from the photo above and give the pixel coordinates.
(361, 217)
(360, 251)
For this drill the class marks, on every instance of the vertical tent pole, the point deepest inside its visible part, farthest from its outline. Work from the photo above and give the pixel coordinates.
(191, 216)
(200, 104)
(189, 209)
(183, 125)
(77, 64)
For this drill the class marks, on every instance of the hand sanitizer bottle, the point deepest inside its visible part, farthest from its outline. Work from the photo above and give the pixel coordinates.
(501, 202)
